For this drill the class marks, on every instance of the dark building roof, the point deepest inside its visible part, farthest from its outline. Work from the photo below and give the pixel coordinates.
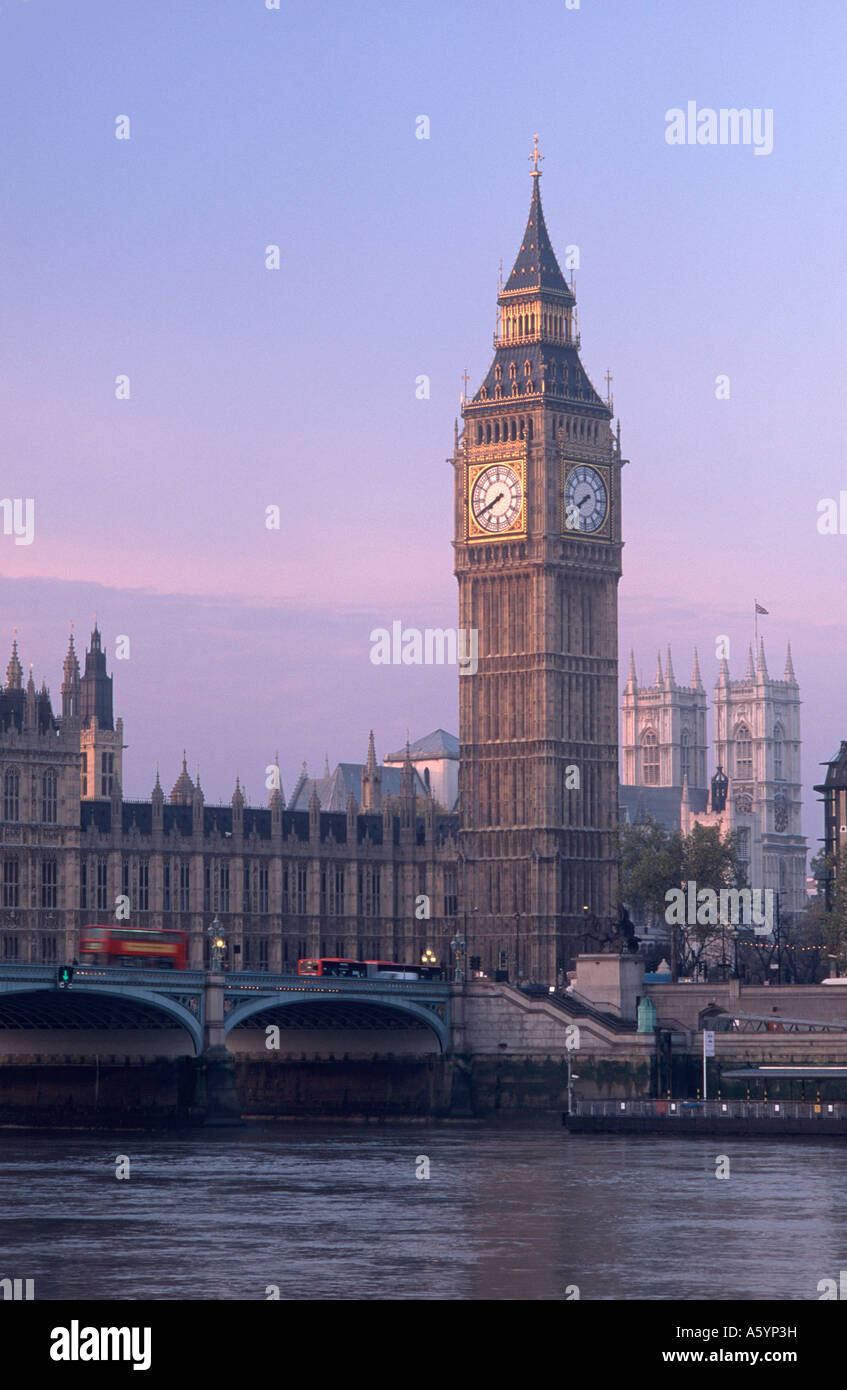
(836, 771)
(557, 365)
(536, 267)
(13, 705)
(96, 686)
(438, 744)
(659, 803)
(334, 791)
(179, 820)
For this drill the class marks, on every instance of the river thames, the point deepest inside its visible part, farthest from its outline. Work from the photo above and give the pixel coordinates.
(319, 1212)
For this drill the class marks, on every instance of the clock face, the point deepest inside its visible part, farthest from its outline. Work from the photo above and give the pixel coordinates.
(586, 499)
(496, 498)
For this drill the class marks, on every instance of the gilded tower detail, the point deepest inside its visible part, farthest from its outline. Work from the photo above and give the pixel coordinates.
(538, 559)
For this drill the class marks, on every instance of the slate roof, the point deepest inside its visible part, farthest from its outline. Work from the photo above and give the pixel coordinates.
(536, 267)
(334, 791)
(438, 744)
(661, 803)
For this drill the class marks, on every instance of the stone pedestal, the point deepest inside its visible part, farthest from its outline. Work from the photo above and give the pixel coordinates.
(216, 1102)
(611, 983)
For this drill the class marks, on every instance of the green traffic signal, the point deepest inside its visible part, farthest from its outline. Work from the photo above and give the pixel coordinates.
(66, 974)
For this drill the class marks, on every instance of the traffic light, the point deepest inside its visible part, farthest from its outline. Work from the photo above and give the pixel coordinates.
(65, 975)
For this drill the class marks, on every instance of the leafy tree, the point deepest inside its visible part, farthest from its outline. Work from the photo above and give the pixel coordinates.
(655, 859)
(828, 911)
(650, 862)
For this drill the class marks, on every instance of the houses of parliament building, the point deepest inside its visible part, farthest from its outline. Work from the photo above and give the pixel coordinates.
(503, 842)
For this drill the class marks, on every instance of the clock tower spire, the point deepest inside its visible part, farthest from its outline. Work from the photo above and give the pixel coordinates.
(538, 558)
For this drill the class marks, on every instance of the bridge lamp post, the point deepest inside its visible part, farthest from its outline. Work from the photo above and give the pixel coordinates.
(572, 1077)
(217, 944)
(457, 946)
(429, 957)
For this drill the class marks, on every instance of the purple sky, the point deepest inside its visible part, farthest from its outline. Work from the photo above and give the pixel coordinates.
(297, 387)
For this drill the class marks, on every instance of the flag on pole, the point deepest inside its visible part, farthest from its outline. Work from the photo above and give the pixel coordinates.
(760, 609)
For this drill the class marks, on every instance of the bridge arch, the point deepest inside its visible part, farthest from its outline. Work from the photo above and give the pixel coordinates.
(52, 1001)
(408, 1009)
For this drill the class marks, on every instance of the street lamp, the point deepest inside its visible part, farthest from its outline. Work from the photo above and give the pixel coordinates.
(217, 944)
(572, 1077)
(457, 946)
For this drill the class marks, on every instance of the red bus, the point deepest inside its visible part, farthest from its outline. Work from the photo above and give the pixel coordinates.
(119, 945)
(367, 969)
(335, 965)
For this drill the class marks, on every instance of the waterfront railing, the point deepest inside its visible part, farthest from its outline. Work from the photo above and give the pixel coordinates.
(715, 1109)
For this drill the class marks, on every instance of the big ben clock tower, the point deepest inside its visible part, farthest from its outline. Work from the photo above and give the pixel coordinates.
(538, 559)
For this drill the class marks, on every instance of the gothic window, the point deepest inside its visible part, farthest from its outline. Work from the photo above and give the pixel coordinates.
(11, 883)
(685, 755)
(49, 883)
(48, 949)
(514, 388)
(650, 758)
(513, 371)
(778, 753)
(498, 372)
(262, 887)
(144, 885)
(743, 754)
(185, 887)
(488, 434)
(479, 434)
(102, 884)
(529, 430)
(529, 387)
(107, 767)
(483, 393)
(451, 893)
(498, 393)
(336, 893)
(527, 369)
(83, 884)
(11, 796)
(10, 948)
(223, 888)
(301, 890)
(167, 886)
(48, 798)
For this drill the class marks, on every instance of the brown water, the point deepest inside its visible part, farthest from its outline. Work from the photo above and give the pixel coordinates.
(338, 1213)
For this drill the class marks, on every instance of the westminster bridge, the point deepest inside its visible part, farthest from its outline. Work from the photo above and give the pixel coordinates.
(137, 1047)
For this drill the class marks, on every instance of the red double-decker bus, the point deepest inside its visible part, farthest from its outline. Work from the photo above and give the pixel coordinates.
(366, 969)
(335, 965)
(119, 945)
